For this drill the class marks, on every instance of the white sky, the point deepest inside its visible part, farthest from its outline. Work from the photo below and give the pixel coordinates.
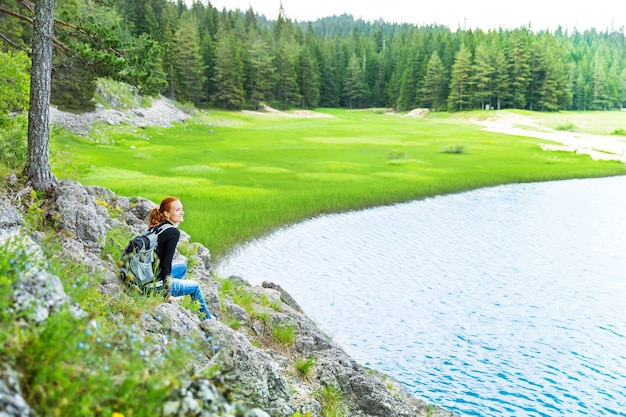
(469, 14)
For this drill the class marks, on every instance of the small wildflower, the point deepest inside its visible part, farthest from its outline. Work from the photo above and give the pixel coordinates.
(116, 414)
(209, 338)
(81, 345)
(89, 332)
(158, 317)
(146, 316)
(215, 347)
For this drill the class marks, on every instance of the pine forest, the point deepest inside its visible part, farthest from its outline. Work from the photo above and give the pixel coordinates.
(234, 59)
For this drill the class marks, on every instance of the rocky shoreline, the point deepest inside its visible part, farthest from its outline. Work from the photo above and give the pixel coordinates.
(81, 219)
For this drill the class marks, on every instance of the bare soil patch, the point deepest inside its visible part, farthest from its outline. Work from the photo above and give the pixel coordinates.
(270, 111)
(598, 147)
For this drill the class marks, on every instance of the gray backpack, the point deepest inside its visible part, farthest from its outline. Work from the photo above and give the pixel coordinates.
(139, 263)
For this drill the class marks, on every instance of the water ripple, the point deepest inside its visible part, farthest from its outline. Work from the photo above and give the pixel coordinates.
(502, 301)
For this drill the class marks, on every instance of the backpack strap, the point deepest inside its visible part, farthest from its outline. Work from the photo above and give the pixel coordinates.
(161, 228)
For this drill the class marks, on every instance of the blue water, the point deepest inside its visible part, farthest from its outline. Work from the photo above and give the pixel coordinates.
(505, 301)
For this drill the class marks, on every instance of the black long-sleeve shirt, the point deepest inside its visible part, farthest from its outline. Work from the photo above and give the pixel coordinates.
(167, 241)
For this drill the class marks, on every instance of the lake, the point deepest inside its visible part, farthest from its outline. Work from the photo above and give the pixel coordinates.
(503, 301)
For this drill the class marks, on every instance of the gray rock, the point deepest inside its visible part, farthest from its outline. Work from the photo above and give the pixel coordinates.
(101, 193)
(258, 376)
(284, 295)
(141, 209)
(79, 213)
(12, 404)
(9, 216)
(39, 294)
(199, 397)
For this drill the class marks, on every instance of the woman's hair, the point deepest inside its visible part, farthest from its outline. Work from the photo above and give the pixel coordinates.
(156, 214)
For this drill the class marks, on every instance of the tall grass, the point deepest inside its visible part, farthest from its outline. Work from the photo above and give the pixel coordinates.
(240, 176)
(86, 364)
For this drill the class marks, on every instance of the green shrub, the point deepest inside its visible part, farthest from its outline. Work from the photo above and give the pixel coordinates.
(619, 132)
(566, 127)
(13, 142)
(453, 149)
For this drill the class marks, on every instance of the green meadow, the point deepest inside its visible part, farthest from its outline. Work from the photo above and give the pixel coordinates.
(241, 175)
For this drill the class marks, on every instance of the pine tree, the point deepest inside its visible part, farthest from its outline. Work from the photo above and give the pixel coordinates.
(262, 76)
(189, 67)
(501, 81)
(228, 76)
(519, 67)
(433, 92)
(461, 80)
(354, 86)
(483, 70)
(308, 78)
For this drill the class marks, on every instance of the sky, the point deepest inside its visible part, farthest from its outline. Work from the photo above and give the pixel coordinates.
(467, 14)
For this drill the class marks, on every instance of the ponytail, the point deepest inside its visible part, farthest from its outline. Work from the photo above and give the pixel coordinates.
(156, 214)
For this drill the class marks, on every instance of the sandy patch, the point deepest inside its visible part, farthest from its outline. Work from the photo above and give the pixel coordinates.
(270, 111)
(598, 147)
(417, 113)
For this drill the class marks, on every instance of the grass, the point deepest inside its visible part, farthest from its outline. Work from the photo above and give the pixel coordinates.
(241, 176)
(304, 366)
(284, 333)
(330, 397)
(62, 359)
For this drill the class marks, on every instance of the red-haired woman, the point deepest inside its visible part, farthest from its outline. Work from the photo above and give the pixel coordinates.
(171, 211)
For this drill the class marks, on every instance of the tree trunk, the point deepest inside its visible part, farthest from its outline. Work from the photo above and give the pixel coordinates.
(37, 168)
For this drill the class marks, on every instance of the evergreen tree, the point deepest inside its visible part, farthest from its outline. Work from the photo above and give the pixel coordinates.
(262, 76)
(501, 81)
(461, 81)
(329, 78)
(483, 75)
(207, 52)
(228, 76)
(286, 51)
(354, 87)
(406, 92)
(553, 91)
(308, 78)
(189, 67)
(600, 101)
(433, 92)
(519, 67)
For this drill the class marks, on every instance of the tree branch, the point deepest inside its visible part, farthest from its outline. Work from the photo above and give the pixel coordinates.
(13, 44)
(30, 7)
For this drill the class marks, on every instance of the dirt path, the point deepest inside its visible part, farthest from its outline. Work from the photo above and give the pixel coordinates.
(597, 146)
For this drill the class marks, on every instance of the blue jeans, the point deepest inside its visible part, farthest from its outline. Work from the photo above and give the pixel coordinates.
(182, 286)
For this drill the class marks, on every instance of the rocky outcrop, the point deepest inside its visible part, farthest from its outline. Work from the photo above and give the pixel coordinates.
(161, 113)
(259, 366)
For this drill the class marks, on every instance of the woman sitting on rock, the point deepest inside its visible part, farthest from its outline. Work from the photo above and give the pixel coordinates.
(171, 211)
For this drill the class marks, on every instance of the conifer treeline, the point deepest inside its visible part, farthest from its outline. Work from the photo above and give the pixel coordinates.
(338, 61)
(237, 59)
